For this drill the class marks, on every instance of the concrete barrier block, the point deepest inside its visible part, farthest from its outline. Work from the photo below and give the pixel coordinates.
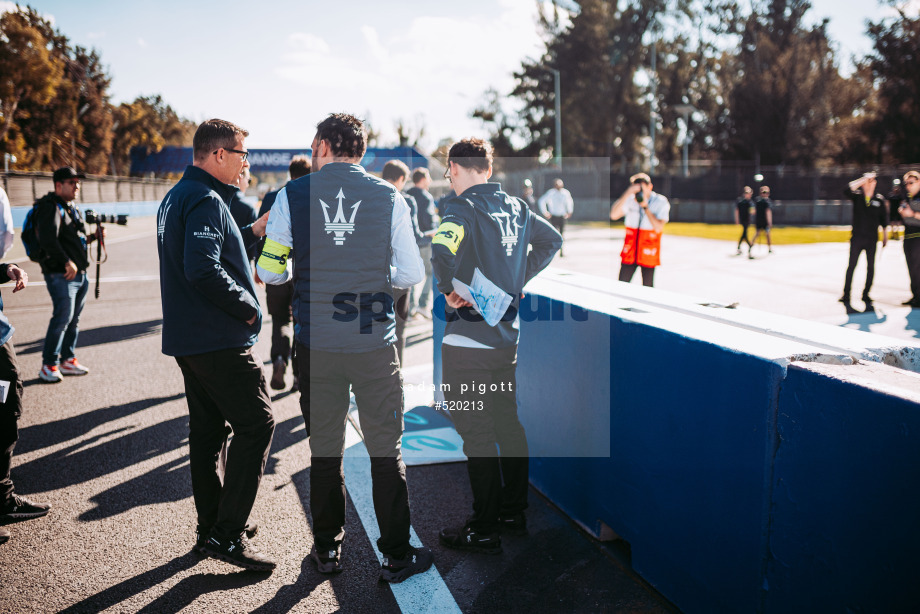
(731, 443)
(844, 532)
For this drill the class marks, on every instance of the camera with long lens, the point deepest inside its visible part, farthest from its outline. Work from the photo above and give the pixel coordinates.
(102, 218)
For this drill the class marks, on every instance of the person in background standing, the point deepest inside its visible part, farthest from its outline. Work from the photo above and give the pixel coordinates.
(65, 259)
(280, 297)
(646, 213)
(910, 213)
(743, 208)
(870, 210)
(557, 206)
(763, 217)
(426, 214)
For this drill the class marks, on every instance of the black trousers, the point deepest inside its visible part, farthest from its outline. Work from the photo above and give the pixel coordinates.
(744, 237)
(377, 383)
(912, 255)
(10, 411)
(402, 314)
(278, 299)
(493, 438)
(226, 393)
(857, 246)
(628, 270)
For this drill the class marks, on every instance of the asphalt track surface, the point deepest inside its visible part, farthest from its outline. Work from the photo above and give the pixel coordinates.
(109, 452)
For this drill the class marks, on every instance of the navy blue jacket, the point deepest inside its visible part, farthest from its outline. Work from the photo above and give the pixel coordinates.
(206, 282)
(488, 229)
(425, 212)
(244, 215)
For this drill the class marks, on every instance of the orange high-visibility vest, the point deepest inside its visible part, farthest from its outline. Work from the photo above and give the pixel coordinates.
(644, 251)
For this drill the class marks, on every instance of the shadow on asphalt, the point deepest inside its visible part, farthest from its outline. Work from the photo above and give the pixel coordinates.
(41, 436)
(913, 322)
(176, 598)
(864, 320)
(102, 335)
(289, 596)
(83, 461)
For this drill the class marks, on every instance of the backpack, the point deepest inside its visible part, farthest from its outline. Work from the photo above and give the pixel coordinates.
(30, 235)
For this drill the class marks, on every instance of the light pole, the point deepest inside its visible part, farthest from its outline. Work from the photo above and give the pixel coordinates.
(653, 120)
(686, 110)
(558, 112)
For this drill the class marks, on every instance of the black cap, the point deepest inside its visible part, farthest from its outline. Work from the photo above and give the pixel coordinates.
(67, 172)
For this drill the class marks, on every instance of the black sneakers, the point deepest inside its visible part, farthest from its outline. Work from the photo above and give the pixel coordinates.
(4, 535)
(20, 508)
(466, 538)
(237, 552)
(329, 561)
(516, 524)
(201, 536)
(416, 560)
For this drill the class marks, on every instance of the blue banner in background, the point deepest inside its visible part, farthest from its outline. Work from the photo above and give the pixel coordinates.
(175, 159)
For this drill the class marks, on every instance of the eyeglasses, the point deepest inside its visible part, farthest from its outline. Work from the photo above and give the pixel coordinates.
(245, 154)
(447, 173)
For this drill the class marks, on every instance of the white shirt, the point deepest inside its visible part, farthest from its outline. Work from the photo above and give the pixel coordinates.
(559, 203)
(657, 204)
(406, 266)
(7, 234)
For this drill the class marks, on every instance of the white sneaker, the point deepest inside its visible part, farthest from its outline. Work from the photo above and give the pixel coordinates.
(50, 373)
(72, 367)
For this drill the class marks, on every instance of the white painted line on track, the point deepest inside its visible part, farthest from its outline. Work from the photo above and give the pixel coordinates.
(421, 593)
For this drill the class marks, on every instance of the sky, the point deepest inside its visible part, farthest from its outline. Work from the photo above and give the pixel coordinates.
(278, 67)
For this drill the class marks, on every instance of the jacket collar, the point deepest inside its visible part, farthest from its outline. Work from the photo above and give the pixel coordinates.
(482, 188)
(224, 190)
(341, 167)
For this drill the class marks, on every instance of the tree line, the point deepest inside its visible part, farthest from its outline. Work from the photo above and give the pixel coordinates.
(764, 83)
(55, 107)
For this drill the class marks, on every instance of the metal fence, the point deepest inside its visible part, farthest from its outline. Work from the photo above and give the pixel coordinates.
(708, 193)
(24, 189)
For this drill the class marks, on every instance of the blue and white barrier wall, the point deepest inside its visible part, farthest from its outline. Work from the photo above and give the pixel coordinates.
(755, 463)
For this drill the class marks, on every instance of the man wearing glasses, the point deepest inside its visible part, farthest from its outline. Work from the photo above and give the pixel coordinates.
(646, 213)
(910, 213)
(211, 319)
(64, 259)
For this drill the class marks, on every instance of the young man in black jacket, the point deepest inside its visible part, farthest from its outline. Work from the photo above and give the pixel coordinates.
(211, 319)
(870, 210)
(65, 258)
(486, 232)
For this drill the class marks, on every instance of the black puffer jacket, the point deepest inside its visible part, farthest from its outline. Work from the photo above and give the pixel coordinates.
(61, 234)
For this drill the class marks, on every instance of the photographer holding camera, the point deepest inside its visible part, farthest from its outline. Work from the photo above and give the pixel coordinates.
(64, 243)
(646, 214)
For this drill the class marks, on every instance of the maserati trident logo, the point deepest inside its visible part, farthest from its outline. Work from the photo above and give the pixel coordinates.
(339, 225)
(508, 223)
